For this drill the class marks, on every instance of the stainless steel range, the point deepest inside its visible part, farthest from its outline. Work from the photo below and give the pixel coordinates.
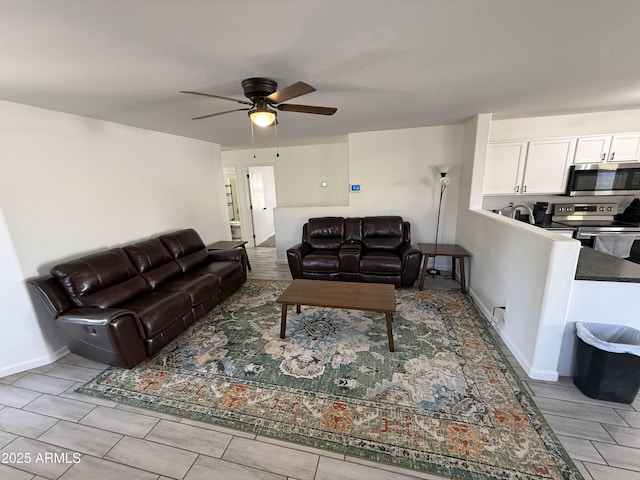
(592, 219)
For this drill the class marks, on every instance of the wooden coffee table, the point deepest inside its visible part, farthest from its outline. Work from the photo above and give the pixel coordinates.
(370, 297)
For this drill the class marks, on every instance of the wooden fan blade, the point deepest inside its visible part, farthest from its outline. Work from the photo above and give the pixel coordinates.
(219, 113)
(216, 96)
(292, 91)
(290, 107)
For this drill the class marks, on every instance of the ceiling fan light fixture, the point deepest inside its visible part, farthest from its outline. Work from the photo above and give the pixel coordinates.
(262, 117)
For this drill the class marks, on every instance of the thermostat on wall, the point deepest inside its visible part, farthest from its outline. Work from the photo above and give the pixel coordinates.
(355, 188)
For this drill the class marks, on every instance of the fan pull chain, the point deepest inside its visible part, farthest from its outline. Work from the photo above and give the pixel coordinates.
(253, 139)
(275, 125)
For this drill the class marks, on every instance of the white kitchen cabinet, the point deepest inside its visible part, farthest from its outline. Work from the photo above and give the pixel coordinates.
(547, 165)
(527, 168)
(504, 168)
(608, 148)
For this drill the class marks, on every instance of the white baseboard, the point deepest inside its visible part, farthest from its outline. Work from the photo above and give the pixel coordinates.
(36, 362)
(534, 373)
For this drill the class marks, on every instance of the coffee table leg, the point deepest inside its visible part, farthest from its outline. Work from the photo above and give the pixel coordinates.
(389, 318)
(298, 309)
(283, 320)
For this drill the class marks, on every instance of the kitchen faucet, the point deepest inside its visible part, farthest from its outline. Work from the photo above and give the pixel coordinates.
(529, 211)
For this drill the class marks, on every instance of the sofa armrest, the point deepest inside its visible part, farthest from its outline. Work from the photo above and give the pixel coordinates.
(108, 335)
(231, 255)
(349, 257)
(295, 255)
(411, 258)
(407, 249)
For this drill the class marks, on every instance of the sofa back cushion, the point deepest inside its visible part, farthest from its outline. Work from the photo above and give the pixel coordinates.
(382, 233)
(186, 247)
(353, 229)
(105, 279)
(325, 233)
(153, 261)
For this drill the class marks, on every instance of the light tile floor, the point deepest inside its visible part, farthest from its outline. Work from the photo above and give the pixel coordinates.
(47, 431)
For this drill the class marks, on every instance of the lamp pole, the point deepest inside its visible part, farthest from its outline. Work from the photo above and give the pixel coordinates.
(444, 183)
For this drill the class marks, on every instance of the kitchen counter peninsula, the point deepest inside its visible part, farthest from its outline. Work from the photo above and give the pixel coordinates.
(597, 266)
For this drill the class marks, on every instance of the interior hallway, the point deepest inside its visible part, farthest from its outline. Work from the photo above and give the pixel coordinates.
(39, 412)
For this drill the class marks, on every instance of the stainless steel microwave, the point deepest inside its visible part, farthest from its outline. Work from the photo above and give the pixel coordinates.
(604, 179)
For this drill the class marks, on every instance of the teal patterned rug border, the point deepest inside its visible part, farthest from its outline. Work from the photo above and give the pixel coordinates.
(109, 385)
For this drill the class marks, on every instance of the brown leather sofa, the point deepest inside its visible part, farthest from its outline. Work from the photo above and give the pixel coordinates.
(367, 249)
(123, 305)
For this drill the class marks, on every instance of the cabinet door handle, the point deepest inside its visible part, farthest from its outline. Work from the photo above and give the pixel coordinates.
(517, 188)
(524, 190)
(604, 157)
(612, 155)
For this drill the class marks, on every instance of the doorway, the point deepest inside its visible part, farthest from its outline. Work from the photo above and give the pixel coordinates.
(262, 201)
(233, 206)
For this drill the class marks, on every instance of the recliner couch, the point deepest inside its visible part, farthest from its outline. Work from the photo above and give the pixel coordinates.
(122, 305)
(361, 249)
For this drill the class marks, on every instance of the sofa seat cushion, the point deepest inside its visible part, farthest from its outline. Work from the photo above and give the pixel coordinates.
(200, 288)
(321, 261)
(380, 262)
(227, 272)
(158, 311)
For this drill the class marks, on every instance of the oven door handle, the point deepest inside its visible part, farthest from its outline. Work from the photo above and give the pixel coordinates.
(595, 234)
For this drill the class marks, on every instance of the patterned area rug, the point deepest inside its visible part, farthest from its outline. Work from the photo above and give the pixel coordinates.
(445, 402)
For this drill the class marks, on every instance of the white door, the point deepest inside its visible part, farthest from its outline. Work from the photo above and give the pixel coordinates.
(262, 190)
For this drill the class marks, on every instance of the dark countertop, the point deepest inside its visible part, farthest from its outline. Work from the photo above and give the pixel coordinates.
(554, 226)
(598, 266)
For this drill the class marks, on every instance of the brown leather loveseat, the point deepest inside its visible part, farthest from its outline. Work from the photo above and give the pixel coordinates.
(120, 306)
(368, 249)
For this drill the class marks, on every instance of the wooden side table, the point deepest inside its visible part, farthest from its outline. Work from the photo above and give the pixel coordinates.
(228, 245)
(444, 250)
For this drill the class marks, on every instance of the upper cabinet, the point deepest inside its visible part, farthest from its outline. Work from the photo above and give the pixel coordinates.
(504, 168)
(534, 167)
(608, 148)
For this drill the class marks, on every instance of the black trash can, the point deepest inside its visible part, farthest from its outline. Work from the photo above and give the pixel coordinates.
(608, 362)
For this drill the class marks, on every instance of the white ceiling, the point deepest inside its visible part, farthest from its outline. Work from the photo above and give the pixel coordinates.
(384, 64)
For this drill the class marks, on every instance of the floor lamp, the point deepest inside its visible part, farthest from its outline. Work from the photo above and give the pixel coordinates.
(444, 183)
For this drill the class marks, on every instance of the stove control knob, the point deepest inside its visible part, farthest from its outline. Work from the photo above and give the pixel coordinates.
(609, 209)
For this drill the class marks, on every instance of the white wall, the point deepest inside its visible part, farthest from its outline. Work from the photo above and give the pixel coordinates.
(397, 171)
(299, 172)
(72, 185)
(21, 345)
(513, 262)
(620, 121)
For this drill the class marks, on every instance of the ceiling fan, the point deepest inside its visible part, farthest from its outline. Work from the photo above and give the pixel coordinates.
(266, 99)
